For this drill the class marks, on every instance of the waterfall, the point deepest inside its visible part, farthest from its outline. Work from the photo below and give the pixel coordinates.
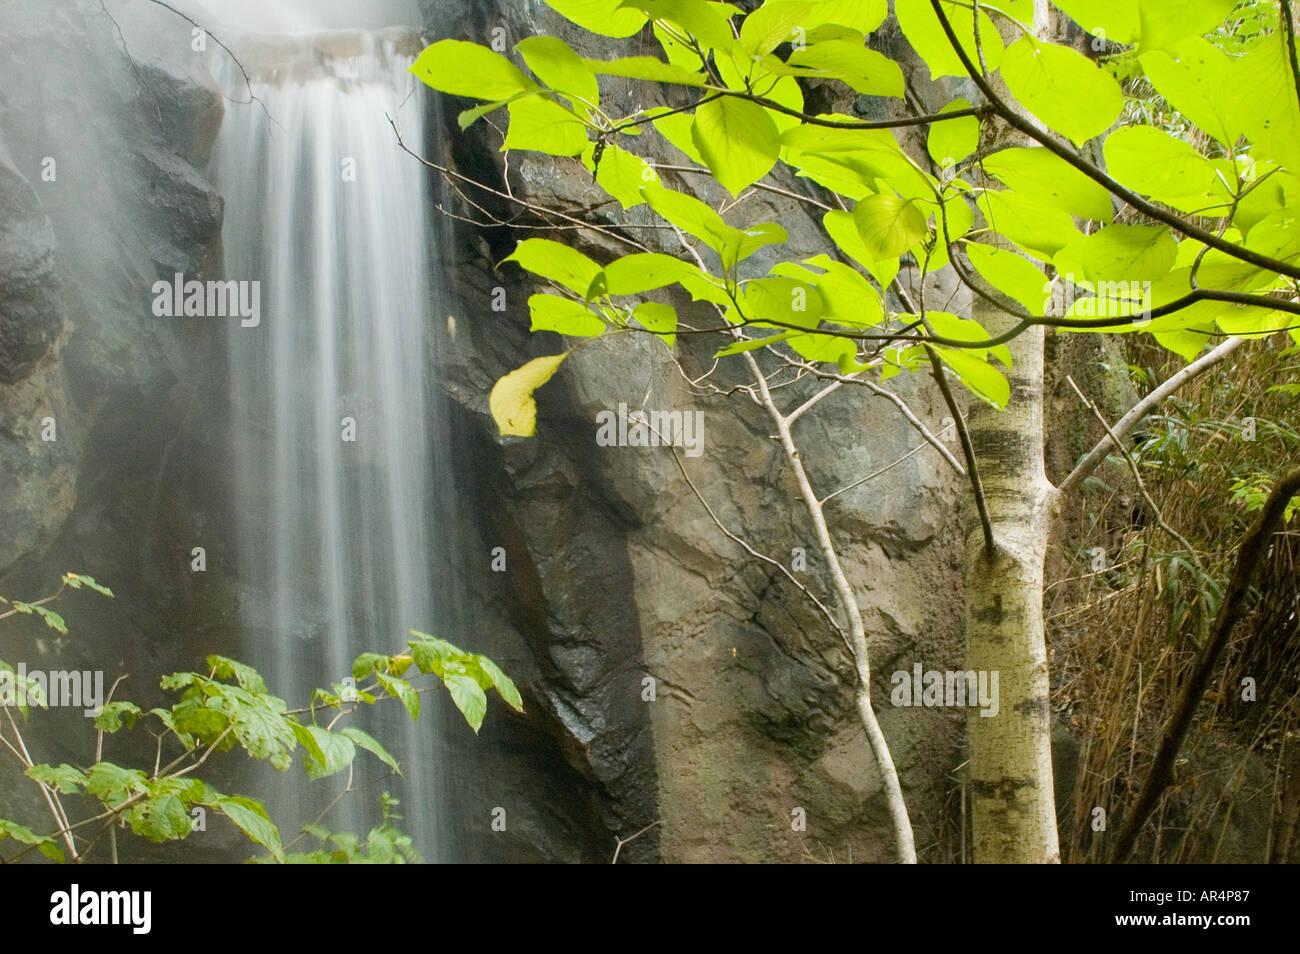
(335, 438)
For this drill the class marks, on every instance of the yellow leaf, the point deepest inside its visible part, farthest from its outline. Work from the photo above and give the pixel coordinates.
(511, 401)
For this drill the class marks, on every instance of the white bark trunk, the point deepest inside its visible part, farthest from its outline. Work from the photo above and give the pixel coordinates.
(1012, 804)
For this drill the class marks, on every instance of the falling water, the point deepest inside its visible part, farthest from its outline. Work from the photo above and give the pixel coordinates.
(335, 439)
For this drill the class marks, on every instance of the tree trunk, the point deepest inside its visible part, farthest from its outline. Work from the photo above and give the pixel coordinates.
(1012, 804)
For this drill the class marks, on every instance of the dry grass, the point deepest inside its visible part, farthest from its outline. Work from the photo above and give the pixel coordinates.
(1122, 638)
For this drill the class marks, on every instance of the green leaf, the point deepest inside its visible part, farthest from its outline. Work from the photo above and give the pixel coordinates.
(1196, 78)
(843, 230)
(705, 22)
(555, 64)
(754, 238)
(504, 685)
(889, 225)
(247, 677)
(754, 344)
(738, 140)
(927, 37)
(645, 68)
(606, 17)
(1120, 253)
(333, 752)
(1011, 274)
(562, 315)
(435, 655)
(952, 140)
(955, 328)
(52, 619)
(468, 117)
(1263, 97)
(402, 691)
(113, 784)
(678, 129)
(162, 818)
(1039, 229)
(251, 818)
(646, 271)
(781, 302)
(114, 714)
(1115, 20)
(863, 70)
(364, 741)
(1166, 22)
(977, 374)
(1064, 89)
(367, 663)
(659, 318)
(621, 174)
(1153, 162)
(693, 217)
(951, 222)
(468, 69)
(848, 298)
(772, 24)
(860, 16)
(831, 349)
(469, 698)
(542, 125)
(511, 401)
(561, 264)
(78, 580)
(1048, 178)
(64, 779)
(25, 836)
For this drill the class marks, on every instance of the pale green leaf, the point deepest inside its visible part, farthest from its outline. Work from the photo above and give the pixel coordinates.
(889, 225)
(554, 260)
(1113, 20)
(645, 68)
(606, 17)
(468, 69)
(926, 35)
(952, 140)
(1051, 180)
(542, 125)
(738, 141)
(1010, 273)
(556, 64)
(621, 174)
(659, 318)
(863, 70)
(977, 374)
(1064, 89)
(563, 316)
(1166, 22)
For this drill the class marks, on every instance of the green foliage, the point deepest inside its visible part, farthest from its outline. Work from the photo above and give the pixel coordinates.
(230, 705)
(1210, 156)
(385, 844)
